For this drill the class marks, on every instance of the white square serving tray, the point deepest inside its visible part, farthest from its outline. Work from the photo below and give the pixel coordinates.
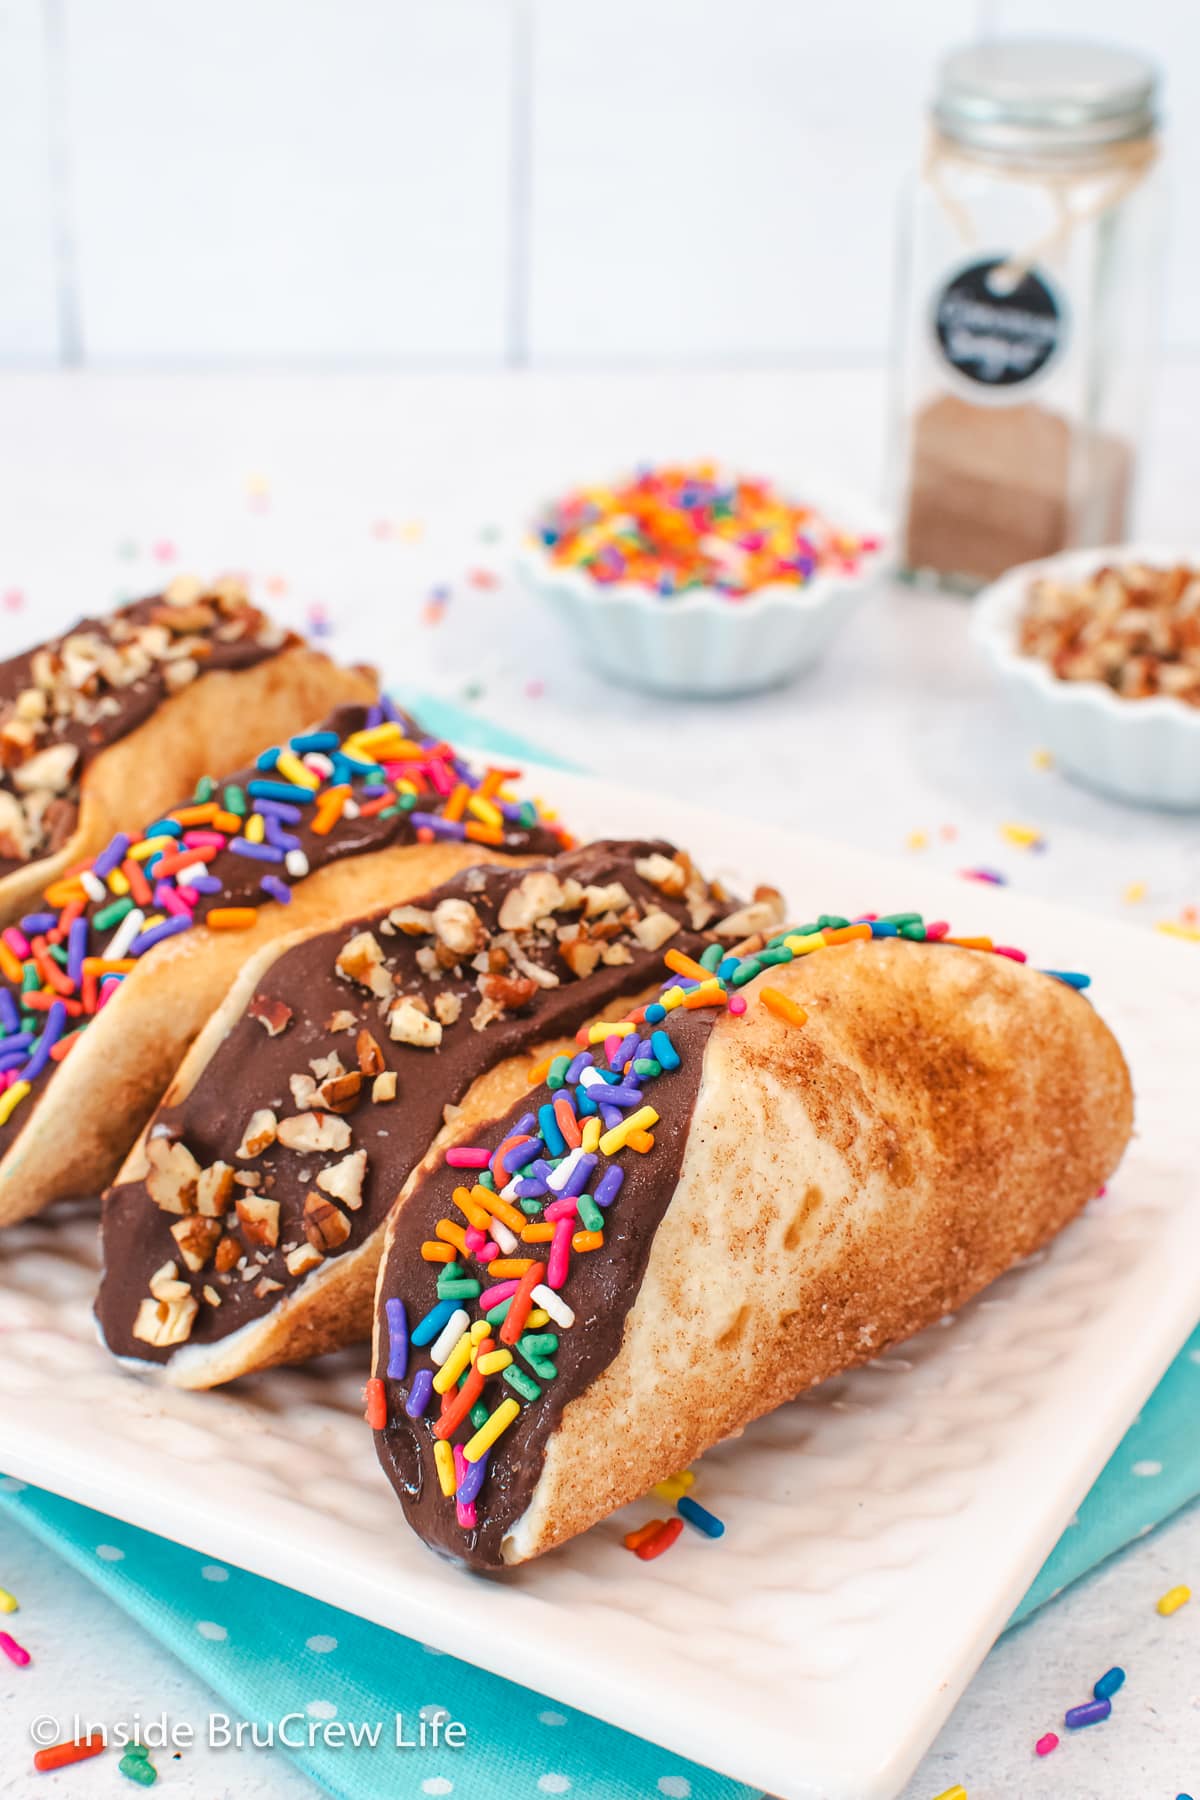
(880, 1529)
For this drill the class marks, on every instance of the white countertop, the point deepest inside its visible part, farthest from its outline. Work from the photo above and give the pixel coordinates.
(364, 494)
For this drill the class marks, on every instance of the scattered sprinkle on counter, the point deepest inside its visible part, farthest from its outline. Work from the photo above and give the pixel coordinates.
(1109, 1683)
(61, 1756)
(679, 527)
(1092, 1712)
(1173, 1599)
(1023, 837)
(16, 1653)
(1046, 1744)
(957, 1792)
(8, 1602)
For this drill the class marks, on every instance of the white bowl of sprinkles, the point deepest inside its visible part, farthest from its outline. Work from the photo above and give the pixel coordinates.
(1142, 747)
(690, 581)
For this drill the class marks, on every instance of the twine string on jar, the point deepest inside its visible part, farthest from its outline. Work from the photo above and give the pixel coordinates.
(1130, 164)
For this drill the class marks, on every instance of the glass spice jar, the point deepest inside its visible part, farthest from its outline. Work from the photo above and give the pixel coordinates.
(1027, 307)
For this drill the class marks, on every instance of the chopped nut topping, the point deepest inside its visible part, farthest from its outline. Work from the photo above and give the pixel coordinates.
(654, 930)
(259, 1220)
(267, 1286)
(304, 1090)
(262, 1129)
(341, 1093)
(1135, 628)
(303, 1258)
(210, 1294)
(361, 960)
(344, 1180)
(173, 1175)
(273, 1015)
(383, 1088)
(538, 893)
(448, 1007)
(613, 898)
(197, 1239)
(314, 1131)
(228, 1252)
(664, 873)
(413, 921)
(370, 1056)
(162, 1323)
(214, 1187)
(507, 993)
(341, 1021)
(408, 1025)
(324, 1226)
(325, 1066)
(764, 912)
(581, 956)
(166, 1285)
(459, 927)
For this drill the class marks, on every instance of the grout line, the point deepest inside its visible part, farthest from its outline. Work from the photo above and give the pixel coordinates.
(520, 191)
(66, 266)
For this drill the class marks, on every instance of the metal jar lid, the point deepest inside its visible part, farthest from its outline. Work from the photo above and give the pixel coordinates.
(1032, 97)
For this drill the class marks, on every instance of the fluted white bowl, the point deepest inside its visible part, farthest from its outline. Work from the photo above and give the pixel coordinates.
(1143, 751)
(702, 643)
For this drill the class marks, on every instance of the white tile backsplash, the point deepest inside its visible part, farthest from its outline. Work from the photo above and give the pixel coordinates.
(720, 180)
(29, 316)
(491, 181)
(290, 178)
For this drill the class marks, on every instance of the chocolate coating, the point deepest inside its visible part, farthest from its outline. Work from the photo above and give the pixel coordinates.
(252, 1070)
(113, 711)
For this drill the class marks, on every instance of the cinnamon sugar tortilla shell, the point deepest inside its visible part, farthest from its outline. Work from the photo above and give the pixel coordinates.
(81, 1122)
(845, 1183)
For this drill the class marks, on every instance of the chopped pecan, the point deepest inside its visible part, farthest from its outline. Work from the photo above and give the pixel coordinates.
(228, 1255)
(654, 930)
(459, 927)
(361, 960)
(581, 956)
(173, 1175)
(163, 1323)
(267, 1286)
(344, 1180)
(383, 1088)
(262, 1128)
(341, 1021)
(196, 1238)
(324, 1226)
(303, 1258)
(323, 1067)
(764, 912)
(214, 1186)
(341, 1093)
(370, 1056)
(413, 921)
(612, 898)
(259, 1220)
(408, 1025)
(665, 873)
(272, 1014)
(537, 894)
(314, 1131)
(507, 992)
(304, 1090)
(447, 1007)
(166, 1285)
(50, 768)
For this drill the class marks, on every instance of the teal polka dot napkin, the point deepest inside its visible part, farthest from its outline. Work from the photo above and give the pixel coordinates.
(270, 1653)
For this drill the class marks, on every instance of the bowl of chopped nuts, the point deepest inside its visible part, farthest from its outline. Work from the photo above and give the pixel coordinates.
(1101, 649)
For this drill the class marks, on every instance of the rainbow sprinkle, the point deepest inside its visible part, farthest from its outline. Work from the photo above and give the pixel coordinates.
(680, 527)
(62, 963)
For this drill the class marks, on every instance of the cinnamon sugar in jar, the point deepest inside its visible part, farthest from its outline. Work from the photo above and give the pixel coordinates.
(1028, 307)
